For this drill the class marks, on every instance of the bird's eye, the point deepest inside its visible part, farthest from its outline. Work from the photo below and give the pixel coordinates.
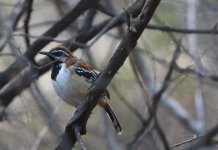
(58, 53)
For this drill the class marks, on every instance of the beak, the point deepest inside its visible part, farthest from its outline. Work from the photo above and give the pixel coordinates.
(45, 53)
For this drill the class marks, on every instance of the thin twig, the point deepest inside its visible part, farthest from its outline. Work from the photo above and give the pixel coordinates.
(39, 138)
(195, 137)
(166, 28)
(27, 20)
(78, 136)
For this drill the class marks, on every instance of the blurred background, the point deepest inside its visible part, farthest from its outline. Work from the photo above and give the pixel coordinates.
(34, 117)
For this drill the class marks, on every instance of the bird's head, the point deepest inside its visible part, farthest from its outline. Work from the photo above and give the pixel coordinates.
(59, 53)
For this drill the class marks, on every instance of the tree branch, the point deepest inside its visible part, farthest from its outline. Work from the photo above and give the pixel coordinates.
(166, 28)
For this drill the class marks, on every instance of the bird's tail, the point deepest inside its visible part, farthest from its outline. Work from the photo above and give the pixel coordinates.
(113, 119)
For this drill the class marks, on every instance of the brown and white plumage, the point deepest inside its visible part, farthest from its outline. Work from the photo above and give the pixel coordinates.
(71, 79)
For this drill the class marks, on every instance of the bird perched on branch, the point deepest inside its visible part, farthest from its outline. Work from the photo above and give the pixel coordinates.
(71, 79)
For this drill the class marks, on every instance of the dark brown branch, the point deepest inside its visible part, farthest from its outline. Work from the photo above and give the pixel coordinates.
(27, 20)
(20, 63)
(127, 44)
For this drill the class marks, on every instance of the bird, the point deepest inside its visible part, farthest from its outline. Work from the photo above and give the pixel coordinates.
(72, 78)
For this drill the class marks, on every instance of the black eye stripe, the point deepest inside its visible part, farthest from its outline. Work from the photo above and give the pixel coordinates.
(59, 53)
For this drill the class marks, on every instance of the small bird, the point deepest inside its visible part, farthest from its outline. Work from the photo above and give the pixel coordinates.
(72, 78)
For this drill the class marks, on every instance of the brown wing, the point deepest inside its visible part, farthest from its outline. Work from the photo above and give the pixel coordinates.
(79, 63)
(85, 65)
